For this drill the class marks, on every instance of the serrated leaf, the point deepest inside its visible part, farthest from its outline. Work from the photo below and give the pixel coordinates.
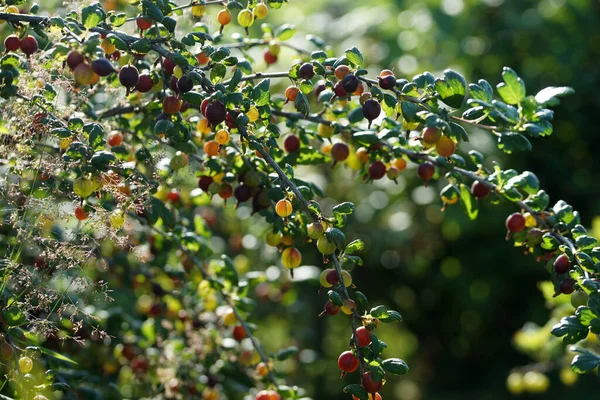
(92, 15)
(452, 88)
(549, 95)
(261, 94)
(512, 90)
(511, 141)
(354, 56)
(354, 246)
(572, 330)
(468, 202)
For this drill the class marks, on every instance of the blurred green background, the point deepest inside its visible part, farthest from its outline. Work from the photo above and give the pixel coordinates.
(462, 289)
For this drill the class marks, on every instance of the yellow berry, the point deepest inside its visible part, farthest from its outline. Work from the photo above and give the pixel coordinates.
(178, 72)
(222, 137)
(273, 238)
(325, 131)
(261, 11)
(348, 307)
(291, 258)
(252, 114)
(283, 208)
(203, 126)
(25, 364)
(198, 11)
(245, 18)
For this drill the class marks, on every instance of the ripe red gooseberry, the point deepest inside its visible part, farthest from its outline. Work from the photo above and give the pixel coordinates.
(561, 264)
(347, 362)
(515, 222)
(370, 385)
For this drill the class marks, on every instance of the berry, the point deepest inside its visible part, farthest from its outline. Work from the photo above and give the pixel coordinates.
(211, 148)
(202, 58)
(291, 143)
(267, 395)
(400, 164)
(323, 278)
(242, 193)
(81, 214)
(25, 364)
(261, 369)
(315, 230)
(350, 83)
(84, 74)
(102, 67)
(349, 307)
(129, 77)
(204, 182)
(426, 171)
(364, 336)
(29, 45)
(74, 58)
(12, 43)
(325, 246)
(168, 66)
(371, 110)
(340, 152)
(291, 93)
(430, 136)
(479, 189)
(143, 23)
(273, 238)
(245, 18)
(567, 286)
(114, 139)
(239, 333)
(261, 11)
(269, 57)
(222, 137)
(215, 112)
(173, 84)
(331, 277)
(306, 71)
(284, 208)
(445, 146)
(579, 298)
(562, 264)
(226, 191)
(173, 195)
(331, 309)
(387, 82)
(291, 258)
(185, 84)
(515, 222)
(171, 105)
(347, 362)
(144, 84)
(224, 18)
(339, 90)
(83, 187)
(198, 10)
(377, 170)
(370, 385)
(341, 71)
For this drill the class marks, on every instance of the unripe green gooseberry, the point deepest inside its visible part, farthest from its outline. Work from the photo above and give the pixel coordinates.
(245, 18)
(178, 161)
(83, 187)
(315, 230)
(25, 364)
(579, 298)
(325, 246)
(273, 238)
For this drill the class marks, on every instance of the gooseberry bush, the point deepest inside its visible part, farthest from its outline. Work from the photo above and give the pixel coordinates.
(109, 113)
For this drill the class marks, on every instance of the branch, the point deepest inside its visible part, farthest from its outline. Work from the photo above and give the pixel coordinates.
(247, 44)
(260, 75)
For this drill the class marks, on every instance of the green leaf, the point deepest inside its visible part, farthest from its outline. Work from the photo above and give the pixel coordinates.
(511, 141)
(584, 362)
(227, 271)
(356, 115)
(284, 354)
(366, 138)
(95, 135)
(285, 32)
(512, 90)
(52, 354)
(357, 391)
(549, 95)
(451, 88)
(13, 316)
(378, 311)
(468, 202)
(391, 316)
(572, 330)
(482, 91)
(141, 46)
(354, 56)
(395, 366)
(301, 104)
(354, 246)
(261, 94)
(151, 10)
(102, 159)
(217, 73)
(537, 129)
(92, 15)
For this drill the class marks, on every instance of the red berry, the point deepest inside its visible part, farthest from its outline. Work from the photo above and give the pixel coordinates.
(81, 214)
(269, 57)
(377, 170)
(515, 222)
(567, 285)
(370, 384)
(143, 23)
(203, 106)
(480, 189)
(331, 308)
(168, 66)
(114, 139)
(387, 82)
(347, 362)
(29, 45)
(174, 195)
(239, 333)
(332, 277)
(339, 90)
(12, 43)
(340, 152)
(74, 58)
(129, 76)
(291, 143)
(226, 191)
(171, 105)
(204, 182)
(364, 336)
(561, 264)
(144, 84)
(426, 171)
(215, 112)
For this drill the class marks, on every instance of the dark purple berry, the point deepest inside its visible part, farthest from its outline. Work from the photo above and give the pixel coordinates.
(567, 286)
(377, 170)
(371, 110)
(561, 264)
(216, 112)
(242, 193)
(350, 83)
(426, 171)
(103, 67)
(387, 82)
(306, 71)
(129, 77)
(185, 84)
